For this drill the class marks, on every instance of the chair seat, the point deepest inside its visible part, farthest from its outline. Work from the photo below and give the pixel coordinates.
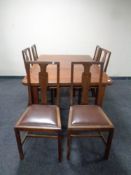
(40, 116)
(88, 116)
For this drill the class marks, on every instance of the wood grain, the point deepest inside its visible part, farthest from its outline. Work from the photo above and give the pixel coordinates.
(65, 71)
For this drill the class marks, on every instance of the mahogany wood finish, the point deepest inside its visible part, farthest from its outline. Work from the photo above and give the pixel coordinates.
(86, 118)
(102, 55)
(41, 118)
(26, 53)
(65, 72)
(97, 53)
(28, 57)
(34, 52)
(105, 58)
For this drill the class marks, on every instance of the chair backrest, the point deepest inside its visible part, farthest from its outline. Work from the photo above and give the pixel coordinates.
(97, 53)
(43, 80)
(26, 53)
(105, 58)
(85, 83)
(34, 52)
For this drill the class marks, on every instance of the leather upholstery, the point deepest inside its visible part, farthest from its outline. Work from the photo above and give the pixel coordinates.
(86, 115)
(40, 115)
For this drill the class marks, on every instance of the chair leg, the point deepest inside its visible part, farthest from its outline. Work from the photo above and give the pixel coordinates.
(79, 96)
(19, 144)
(93, 92)
(59, 148)
(96, 94)
(108, 145)
(68, 146)
(53, 95)
(35, 95)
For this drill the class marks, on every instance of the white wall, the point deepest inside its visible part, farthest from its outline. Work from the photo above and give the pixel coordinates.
(65, 27)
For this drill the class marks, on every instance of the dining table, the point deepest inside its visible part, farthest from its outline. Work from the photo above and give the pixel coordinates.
(65, 73)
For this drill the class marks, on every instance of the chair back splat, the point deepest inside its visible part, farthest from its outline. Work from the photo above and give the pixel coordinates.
(26, 53)
(105, 58)
(97, 54)
(43, 80)
(103, 55)
(86, 80)
(34, 52)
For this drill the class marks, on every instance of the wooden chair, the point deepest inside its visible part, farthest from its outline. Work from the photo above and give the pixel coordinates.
(34, 52)
(102, 55)
(41, 118)
(96, 57)
(26, 53)
(85, 118)
(105, 58)
(97, 53)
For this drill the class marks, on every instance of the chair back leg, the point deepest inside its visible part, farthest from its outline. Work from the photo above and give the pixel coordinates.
(108, 144)
(19, 144)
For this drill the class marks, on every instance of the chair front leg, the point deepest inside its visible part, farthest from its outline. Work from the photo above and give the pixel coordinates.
(68, 145)
(59, 148)
(108, 144)
(19, 144)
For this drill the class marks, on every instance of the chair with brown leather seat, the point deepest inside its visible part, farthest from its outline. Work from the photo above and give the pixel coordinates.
(97, 53)
(105, 58)
(34, 52)
(40, 120)
(86, 118)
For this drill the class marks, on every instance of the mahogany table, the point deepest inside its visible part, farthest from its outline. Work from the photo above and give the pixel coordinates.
(65, 72)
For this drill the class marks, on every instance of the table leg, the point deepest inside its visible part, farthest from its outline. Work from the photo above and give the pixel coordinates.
(102, 94)
(35, 95)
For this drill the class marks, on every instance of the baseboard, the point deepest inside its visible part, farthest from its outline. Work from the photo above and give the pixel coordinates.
(120, 78)
(11, 77)
(20, 77)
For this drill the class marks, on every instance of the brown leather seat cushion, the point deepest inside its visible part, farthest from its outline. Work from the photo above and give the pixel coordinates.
(40, 115)
(88, 115)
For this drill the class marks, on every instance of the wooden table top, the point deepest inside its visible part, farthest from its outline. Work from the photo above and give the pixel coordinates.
(65, 70)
